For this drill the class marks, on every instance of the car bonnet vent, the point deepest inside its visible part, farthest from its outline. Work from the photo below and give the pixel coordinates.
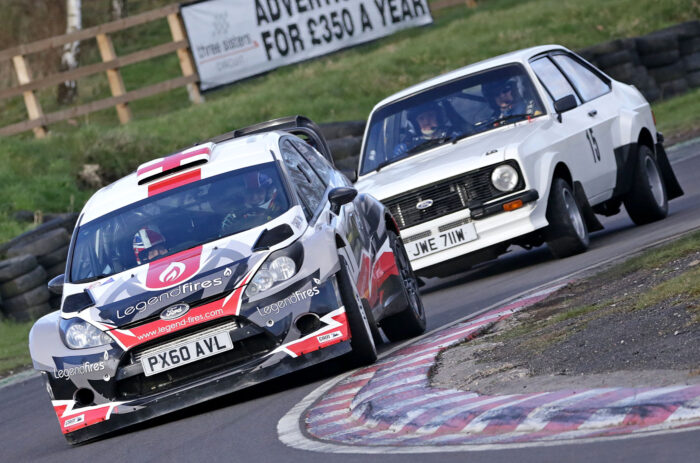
(162, 167)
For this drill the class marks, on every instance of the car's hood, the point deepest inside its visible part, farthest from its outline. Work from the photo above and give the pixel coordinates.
(190, 276)
(445, 161)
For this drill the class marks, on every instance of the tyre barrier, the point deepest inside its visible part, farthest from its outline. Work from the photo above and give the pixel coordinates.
(23, 291)
(666, 57)
(34, 258)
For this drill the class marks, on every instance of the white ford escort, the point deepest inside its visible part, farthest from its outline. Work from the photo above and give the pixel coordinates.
(524, 149)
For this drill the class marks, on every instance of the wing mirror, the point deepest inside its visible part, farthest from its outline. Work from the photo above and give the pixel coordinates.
(565, 104)
(339, 196)
(56, 284)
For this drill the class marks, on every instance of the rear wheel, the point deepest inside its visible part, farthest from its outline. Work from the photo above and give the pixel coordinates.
(411, 321)
(567, 233)
(364, 351)
(647, 200)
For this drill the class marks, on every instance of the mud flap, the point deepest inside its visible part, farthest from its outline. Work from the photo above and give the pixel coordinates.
(673, 188)
(592, 222)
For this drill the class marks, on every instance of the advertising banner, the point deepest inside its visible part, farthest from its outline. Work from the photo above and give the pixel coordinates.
(235, 39)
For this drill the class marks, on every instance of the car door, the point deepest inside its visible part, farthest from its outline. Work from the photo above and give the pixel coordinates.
(600, 106)
(576, 137)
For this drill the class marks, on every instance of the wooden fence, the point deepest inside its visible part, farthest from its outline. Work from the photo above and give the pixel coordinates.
(38, 121)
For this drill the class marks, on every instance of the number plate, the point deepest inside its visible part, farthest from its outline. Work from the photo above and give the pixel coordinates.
(447, 239)
(183, 354)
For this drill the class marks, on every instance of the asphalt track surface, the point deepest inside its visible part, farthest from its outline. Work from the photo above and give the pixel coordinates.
(243, 426)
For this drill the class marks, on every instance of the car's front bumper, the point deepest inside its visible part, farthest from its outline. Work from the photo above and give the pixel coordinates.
(114, 416)
(492, 223)
(124, 395)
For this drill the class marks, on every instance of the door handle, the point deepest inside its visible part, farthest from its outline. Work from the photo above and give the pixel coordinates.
(592, 113)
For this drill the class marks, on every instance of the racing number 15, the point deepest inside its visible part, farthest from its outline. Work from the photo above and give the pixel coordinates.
(594, 145)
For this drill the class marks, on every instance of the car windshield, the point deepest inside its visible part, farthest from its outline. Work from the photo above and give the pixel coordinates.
(180, 219)
(448, 113)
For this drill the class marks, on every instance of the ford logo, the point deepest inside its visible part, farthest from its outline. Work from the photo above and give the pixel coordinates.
(174, 311)
(424, 204)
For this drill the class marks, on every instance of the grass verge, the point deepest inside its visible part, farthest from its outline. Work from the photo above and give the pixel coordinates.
(14, 354)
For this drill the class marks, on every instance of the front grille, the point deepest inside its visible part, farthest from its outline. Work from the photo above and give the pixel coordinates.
(417, 237)
(244, 350)
(448, 196)
(455, 224)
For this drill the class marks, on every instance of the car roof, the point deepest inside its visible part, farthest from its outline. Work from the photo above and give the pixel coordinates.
(518, 56)
(197, 162)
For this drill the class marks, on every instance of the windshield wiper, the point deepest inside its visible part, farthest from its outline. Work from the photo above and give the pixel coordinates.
(415, 150)
(509, 117)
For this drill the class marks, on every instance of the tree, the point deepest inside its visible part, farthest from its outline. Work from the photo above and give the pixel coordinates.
(68, 90)
(118, 9)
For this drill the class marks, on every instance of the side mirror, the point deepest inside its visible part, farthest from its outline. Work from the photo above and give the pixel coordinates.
(273, 236)
(339, 196)
(56, 284)
(565, 104)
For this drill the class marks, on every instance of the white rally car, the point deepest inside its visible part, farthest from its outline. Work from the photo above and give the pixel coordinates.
(523, 148)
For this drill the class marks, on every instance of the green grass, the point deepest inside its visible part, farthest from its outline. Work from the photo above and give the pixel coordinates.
(684, 288)
(655, 258)
(41, 174)
(679, 116)
(14, 353)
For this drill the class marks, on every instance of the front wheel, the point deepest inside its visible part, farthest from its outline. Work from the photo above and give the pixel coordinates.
(567, 233)
(411, 321)
(647, 200)
(364, 350)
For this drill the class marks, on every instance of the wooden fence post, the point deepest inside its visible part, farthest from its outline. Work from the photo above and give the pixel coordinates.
(116, 84)
(30, 100)
(177, 30)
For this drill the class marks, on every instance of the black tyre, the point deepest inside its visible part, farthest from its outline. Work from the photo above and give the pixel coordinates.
(647, 201)
(56, 257)
(655, 43)
(23, 283)
(44, 244)
(614, 59)
(36, 296)
(567, 233)
(364, 351)
(12, 268)
(662, 58)
(411, 321)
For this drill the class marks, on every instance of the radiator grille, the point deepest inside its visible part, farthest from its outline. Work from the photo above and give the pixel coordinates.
(448, 196)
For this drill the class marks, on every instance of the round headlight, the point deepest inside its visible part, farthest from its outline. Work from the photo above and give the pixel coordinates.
(282, 268)
(504, 178)
(80, 335)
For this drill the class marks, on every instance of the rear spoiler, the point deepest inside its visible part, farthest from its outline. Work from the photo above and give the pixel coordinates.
(300, 126)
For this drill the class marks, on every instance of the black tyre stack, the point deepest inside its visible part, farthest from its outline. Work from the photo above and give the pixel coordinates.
(662, 64)
(32, 259)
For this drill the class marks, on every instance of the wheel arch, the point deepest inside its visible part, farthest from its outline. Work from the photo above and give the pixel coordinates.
(645, 138)
(561, 170)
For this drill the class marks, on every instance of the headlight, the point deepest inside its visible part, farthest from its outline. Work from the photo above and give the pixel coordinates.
(279, 269)
(79, 334)
(504, 178)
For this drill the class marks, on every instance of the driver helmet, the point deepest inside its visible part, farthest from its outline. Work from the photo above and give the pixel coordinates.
(492, 90)
(146, 240)
(421, 111)
(256, 189)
